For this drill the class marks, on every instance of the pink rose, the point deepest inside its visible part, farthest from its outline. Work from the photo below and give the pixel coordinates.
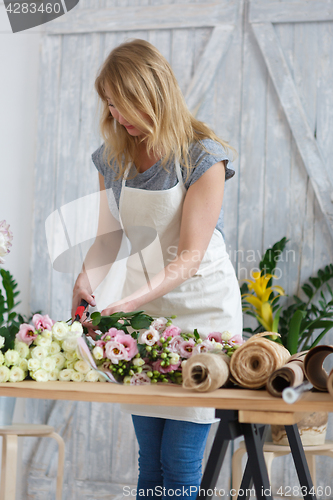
(175, 343)
(215, 336)
(116, 351)
(128, 342)
(164, 369)
(26, 334)
(140, 379)
(42, 322)
(236, 340)
(171, 331)
(186, 348)
(205, 346)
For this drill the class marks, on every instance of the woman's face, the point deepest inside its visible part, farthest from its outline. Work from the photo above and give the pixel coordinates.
(131, 129)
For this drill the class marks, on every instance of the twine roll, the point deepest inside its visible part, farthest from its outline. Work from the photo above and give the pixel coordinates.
(253, 362)
(290, 375)
(314, 369)
(206, 372)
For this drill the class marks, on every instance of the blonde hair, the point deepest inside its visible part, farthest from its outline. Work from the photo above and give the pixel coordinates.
(141, 81)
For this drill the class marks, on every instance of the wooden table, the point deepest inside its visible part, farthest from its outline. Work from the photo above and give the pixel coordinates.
(242, 412)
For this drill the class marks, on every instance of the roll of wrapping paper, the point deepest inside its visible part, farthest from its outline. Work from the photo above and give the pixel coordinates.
(206, 372)
(254, 361)
(314, 369)
(290, 375)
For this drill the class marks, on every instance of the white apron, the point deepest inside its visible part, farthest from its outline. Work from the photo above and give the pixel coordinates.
(209, 301)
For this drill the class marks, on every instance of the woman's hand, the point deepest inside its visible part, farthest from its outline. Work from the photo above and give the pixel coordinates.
(125, 305)
(82, 291)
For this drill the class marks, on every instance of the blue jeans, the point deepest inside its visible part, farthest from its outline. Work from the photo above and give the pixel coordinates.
(170, 457)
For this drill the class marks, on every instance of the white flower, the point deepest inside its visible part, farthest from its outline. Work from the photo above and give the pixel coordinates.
(65, 375)
(149, 337)
(2, 358)
(6, 237)
(70, 364)
(98, 353)
(24, 365)
(101, 378)
(59, 360)
(40, 375)
(12, 357)
(71, 355)
(60, 330)
(159, 324)
(48, 364)
(77, 376)
(33, 364)
(54, 347)
(43, 341)
(2, 341)
(81, 366)
(226, 336)
(174, 358)
(54, 375)
(218, 346)
(4, 374)
(22, 348)
(91, 376)
(138, 362)
(69, 344)
(47, 334)
(16, 374)
(39, 352)
(76, 329)
(127, 380)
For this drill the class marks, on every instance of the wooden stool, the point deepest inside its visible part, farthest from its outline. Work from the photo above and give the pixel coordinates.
(9, 434)
(272, 451)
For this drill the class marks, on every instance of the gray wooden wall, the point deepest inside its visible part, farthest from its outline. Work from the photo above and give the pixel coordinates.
(260, 73)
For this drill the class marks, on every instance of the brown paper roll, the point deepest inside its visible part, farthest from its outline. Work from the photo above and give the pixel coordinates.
(206, 372)
(313, 366)
(254, 361)
(290, 375)
(330, 383)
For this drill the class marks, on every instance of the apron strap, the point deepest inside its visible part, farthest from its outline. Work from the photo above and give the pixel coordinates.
(179, 173)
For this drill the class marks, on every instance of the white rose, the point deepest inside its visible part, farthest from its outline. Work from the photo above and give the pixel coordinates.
(33, 364)
(47, 334)
(39, 352)
(81, 366)
(12, 357)
(48, 364)
(43, 341)
(2, 341)
(98, 353)
(138, 362)
(40, 375)
(2, 358)
(60, 330)
(71, 355)
(226, 336)
(16, 374)
(54, 347)
(69, 344)
(54, 375)
(59, 360)
(22, 348)
(76, 329)
(65, 375)
(70, 364)
(4, 374)
(77, 376)
(91, 376)
(24, 365)
(174, 358)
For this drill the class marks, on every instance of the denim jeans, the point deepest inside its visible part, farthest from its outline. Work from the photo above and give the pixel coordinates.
(170, 457)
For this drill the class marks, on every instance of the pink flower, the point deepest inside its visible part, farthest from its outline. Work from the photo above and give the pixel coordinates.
(111, 333)
(128, 342)
(164, 369)
(159, 324)
(6, 237)
(100, 343)
(175, 343)
(140, 379)
(116, 351)
(26, 334)
(42, 322)
(236, 340)
(186, 348)
(205, 346)
(215, 336)
(149, 337)
(171, 331)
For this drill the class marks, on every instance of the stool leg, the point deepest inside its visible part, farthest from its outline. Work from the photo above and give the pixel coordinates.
(61, 463)
(237, 470)
(8, 467)
(311, 459)
(269, 457)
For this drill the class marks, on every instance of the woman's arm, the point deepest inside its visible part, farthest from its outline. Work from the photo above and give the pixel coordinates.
(201, 209)
(101, 254)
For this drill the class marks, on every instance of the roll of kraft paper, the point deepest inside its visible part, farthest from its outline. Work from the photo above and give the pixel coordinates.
(253, 362)
(206, 372)
(314, 369)
(290, 375)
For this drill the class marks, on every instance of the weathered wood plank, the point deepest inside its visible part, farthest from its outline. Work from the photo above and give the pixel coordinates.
(296, 117)
(165, 16)
(292, 11)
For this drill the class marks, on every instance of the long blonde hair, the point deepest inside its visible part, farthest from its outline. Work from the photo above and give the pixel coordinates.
(141, 81)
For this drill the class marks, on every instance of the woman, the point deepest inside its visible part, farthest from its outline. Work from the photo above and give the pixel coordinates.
(167, 172)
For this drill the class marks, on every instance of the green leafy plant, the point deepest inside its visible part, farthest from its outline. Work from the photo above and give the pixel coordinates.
(10, 320)
(303, 323)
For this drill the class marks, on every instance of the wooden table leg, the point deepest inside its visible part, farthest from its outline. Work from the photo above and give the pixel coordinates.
(8, 467)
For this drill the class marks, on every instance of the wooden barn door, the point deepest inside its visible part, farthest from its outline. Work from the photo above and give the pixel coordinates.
(260, 74)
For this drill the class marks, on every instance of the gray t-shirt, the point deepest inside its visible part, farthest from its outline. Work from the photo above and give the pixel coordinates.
(158, 178)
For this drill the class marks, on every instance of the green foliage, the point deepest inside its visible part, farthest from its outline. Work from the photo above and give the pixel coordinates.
(10, 320)
(136, 320)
